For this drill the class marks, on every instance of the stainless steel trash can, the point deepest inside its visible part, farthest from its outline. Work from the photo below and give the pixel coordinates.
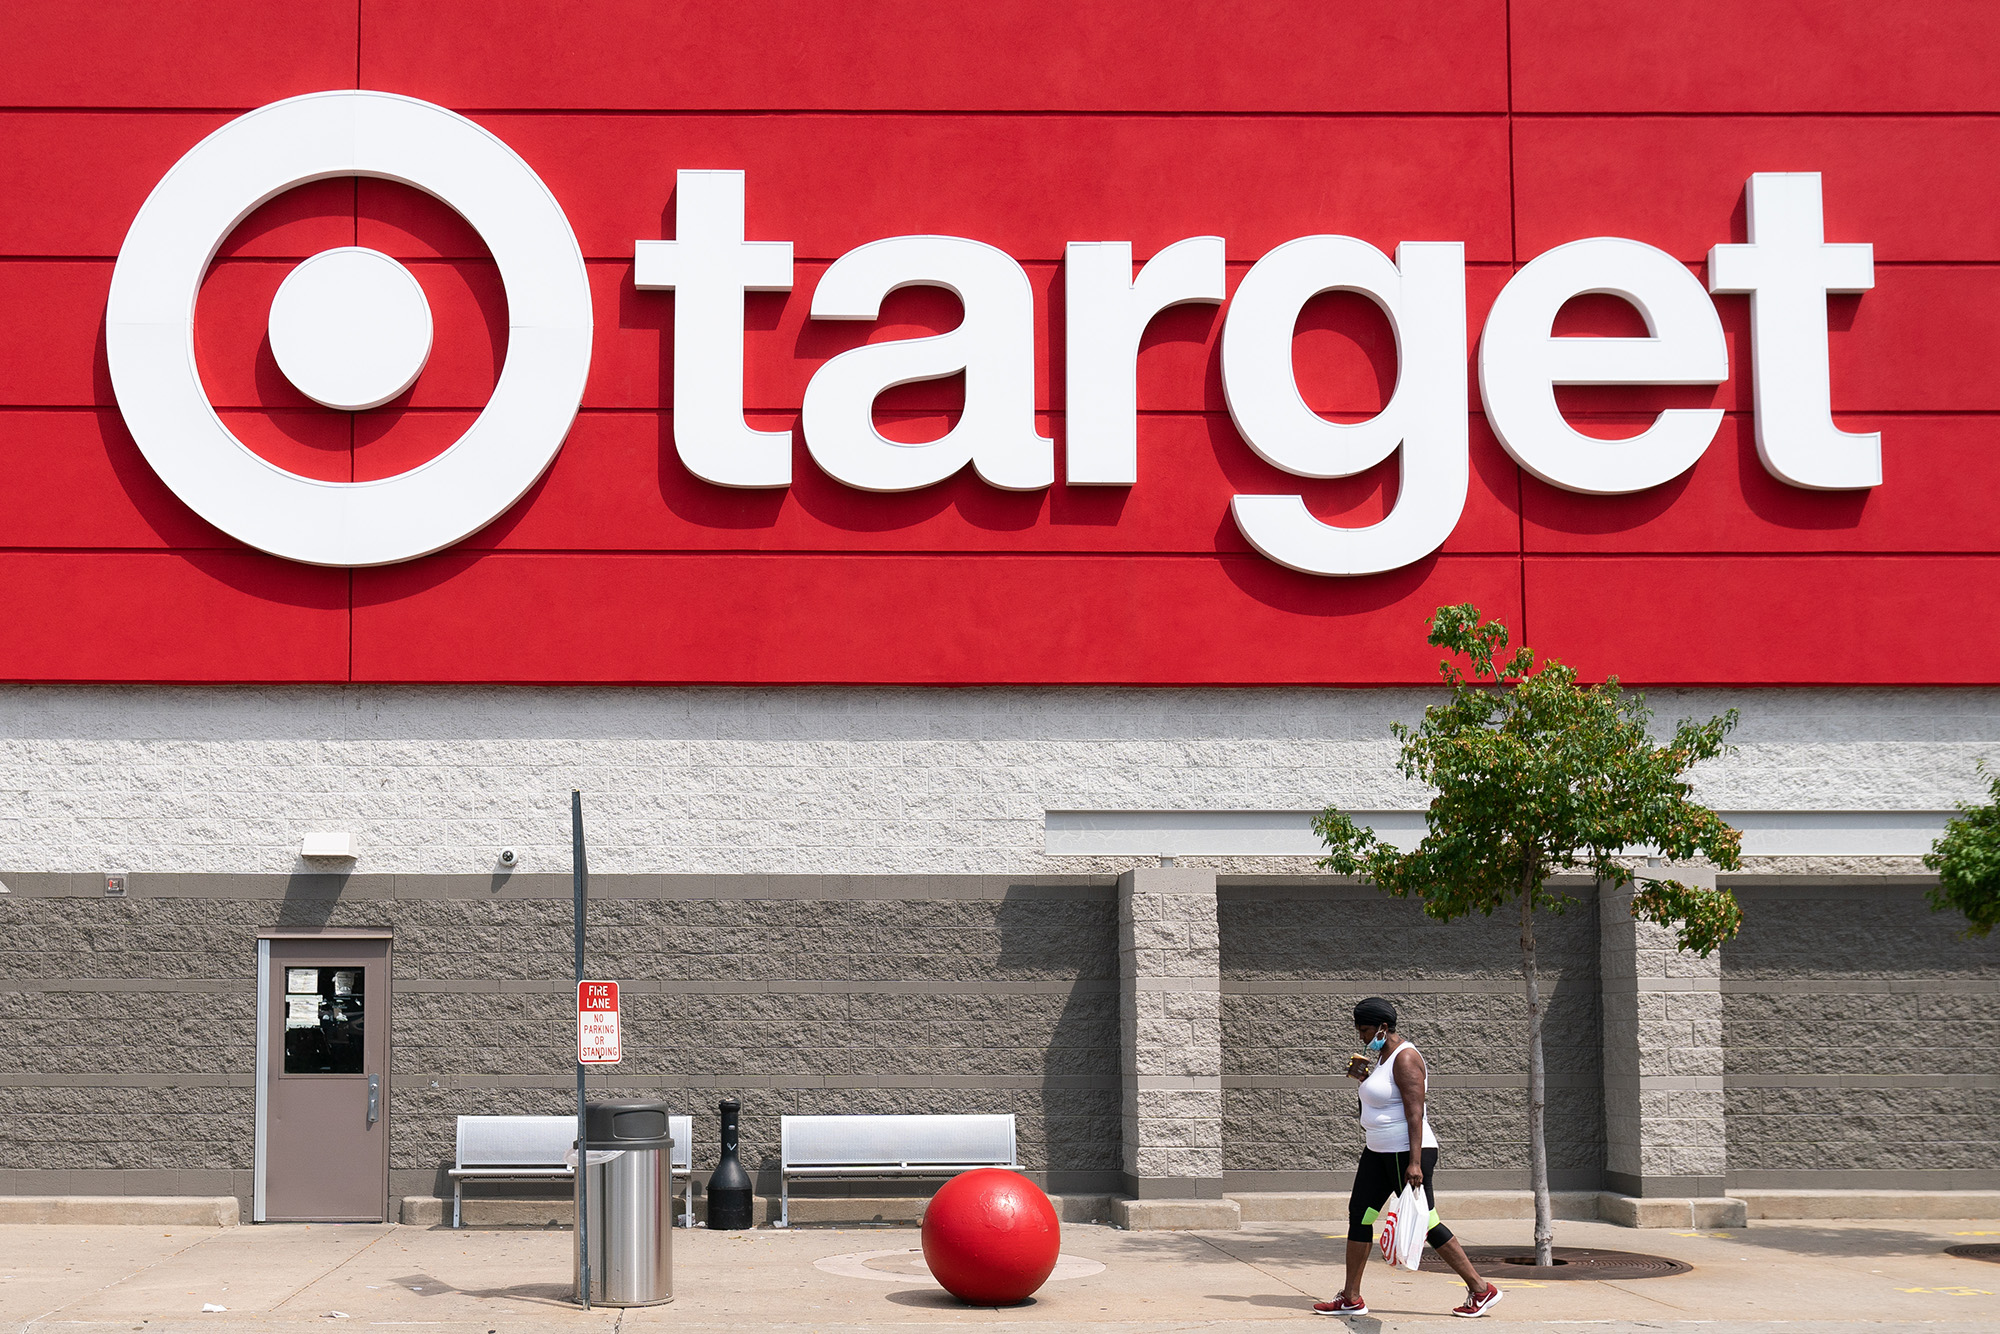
(628, 1183)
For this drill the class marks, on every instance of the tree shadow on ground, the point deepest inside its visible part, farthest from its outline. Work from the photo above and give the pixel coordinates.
(1858, 1242)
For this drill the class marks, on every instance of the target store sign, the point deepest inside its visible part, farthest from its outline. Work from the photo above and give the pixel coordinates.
(350, 328)
(597, 1023)
(1029, 345)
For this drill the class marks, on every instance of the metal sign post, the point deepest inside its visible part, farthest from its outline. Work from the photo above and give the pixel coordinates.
(580, 881)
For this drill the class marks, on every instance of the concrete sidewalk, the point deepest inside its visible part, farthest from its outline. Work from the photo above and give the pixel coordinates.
(1780, 1278)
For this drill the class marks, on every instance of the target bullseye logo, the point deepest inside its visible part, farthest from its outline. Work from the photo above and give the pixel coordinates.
(349, 327)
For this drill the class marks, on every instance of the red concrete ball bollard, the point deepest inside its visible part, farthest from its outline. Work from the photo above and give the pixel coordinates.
(991, 1237)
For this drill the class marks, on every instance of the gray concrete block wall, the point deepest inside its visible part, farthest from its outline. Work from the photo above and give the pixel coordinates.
(1860, 1032)
(959, 994)
(1171, 1060)
(151, 1129)
(1662, 1023)
(1297, 956)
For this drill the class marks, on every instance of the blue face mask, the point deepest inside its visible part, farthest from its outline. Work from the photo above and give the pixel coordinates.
(1377, 1044)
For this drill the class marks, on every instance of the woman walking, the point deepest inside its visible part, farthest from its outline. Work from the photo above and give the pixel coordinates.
(1393, 1120)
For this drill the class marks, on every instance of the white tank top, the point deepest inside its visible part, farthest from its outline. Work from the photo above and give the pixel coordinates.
(1382, 1112)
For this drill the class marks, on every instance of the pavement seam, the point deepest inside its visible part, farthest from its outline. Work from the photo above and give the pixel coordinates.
(106, 1287)
(1253, 1265)
(279, 1305)
(1622, 1285)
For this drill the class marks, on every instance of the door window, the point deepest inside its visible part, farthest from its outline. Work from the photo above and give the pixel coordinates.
(325, 1012)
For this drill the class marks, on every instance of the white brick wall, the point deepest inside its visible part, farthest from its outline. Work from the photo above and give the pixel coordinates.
(805, 780)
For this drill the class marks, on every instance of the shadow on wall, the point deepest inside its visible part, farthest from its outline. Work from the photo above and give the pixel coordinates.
(1070, 935)
(311, 897)
(1295, 959)
(1858, 1037)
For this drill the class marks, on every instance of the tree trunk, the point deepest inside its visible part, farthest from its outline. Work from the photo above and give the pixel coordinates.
(1538, 1149)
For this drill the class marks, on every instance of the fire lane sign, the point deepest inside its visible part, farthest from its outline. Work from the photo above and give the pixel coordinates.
(597, 1023)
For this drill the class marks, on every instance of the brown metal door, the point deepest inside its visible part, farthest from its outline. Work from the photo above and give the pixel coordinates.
(326, 1145)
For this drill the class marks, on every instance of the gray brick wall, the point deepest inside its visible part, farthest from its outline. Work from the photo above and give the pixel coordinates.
(1170, 1033)
(1860, 1033)
(1859, 1029)
(1294, 962)
(167, 1129)
(1004, 1000)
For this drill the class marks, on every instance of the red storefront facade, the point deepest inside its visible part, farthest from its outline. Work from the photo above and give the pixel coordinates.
(828, 883)
(1510, 131)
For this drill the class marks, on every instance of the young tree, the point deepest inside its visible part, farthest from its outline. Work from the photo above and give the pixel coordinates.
(1536, 776)
(1967, 861)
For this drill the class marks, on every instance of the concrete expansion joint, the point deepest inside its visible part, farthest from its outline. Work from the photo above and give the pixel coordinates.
(1680, 1083)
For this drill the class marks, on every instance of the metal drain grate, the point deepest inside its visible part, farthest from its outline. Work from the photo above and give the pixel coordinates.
(1982, 1251)
(1571, 1262)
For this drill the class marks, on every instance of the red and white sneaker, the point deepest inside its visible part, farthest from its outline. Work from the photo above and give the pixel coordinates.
(1341, 1305)
(1478, 1306)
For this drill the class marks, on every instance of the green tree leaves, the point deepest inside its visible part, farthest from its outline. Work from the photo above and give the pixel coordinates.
(1967, 862)
(1538, 776)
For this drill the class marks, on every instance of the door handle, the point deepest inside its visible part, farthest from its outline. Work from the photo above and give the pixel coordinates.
(374, 1099)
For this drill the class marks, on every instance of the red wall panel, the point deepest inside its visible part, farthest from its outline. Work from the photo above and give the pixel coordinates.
(1897, 182)
(890, 55)
(74, 180)
(1027, 184)
(942, 620)
(1025, 125)
(75, 479)
(171, 616)
(619, 486)
(191, 53)
(1755, 55)
(52, 343)
(1769, 620)
(1936, 497)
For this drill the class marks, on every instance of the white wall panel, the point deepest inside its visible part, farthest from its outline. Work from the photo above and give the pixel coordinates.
(853, 781)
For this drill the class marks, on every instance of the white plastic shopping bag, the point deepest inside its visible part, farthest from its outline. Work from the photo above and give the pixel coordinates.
(1404, 1223)
(1410, 1240)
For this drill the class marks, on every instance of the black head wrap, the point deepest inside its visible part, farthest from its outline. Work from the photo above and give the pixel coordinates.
(1373, 1011)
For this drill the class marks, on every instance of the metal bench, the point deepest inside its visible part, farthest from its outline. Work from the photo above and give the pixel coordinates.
(889, 1146)
(533, 1148)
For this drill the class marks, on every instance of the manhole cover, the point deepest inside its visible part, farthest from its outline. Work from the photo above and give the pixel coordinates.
(1983, 1251)
(1571, 1262)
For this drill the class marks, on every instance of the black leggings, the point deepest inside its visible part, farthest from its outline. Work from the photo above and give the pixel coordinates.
(1377, 1180)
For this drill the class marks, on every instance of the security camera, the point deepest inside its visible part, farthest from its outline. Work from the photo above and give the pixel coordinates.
(508, 856)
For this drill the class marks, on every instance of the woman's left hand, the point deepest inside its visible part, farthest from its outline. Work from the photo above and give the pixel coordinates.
(1414, 1174)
